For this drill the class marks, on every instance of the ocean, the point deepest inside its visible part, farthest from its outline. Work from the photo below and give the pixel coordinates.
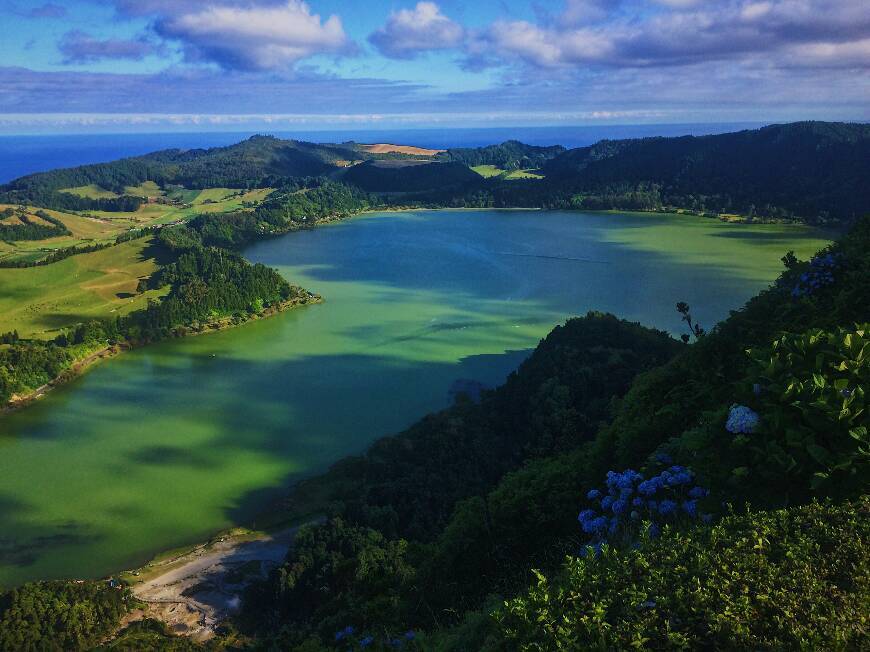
(20, 155)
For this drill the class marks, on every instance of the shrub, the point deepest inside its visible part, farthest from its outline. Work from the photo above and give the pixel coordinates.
(810, 391)
(788, 579)
(633, 506)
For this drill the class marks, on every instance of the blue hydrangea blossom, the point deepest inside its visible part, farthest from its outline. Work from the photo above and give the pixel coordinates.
(742, 420)
(631, 503)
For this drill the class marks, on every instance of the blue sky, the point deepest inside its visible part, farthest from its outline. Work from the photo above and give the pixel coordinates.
(119, 65)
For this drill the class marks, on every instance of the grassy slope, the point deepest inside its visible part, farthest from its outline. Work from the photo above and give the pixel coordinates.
(488, 171)
(105, 226)
(37, 301)
(524, 174)
(91, 191)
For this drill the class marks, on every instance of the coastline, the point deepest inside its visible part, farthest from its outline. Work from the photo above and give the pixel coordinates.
(81, 366)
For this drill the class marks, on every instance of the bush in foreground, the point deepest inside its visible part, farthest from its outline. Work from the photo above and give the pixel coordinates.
(789, 579)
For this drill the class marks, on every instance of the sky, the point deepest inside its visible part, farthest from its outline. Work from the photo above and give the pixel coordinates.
(152, 65)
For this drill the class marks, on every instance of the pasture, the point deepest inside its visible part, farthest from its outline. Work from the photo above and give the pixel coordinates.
(491, 171)
(38, 301)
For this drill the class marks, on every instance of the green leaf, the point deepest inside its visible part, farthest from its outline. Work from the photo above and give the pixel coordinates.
(818, 453)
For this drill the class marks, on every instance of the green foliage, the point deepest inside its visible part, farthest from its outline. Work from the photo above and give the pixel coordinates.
(59, 615)
(790, 579)
(364, 573)
(811, 395)
(408, 485)
(24, 366)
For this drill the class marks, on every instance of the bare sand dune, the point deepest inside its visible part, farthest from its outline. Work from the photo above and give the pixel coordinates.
(387, 148)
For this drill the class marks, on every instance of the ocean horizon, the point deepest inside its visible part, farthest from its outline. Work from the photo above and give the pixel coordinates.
(26, 154)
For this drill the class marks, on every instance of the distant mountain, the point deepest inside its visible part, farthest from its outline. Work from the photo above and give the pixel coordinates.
(807, 171)
(804, 169)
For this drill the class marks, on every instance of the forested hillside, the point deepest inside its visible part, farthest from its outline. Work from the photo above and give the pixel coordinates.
(806, 170)
(510, 155)
(432, 177)
(810, 171)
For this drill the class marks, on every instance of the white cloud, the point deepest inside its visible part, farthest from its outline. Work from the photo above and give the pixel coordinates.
(788, 33)
(408, 32)
(255, 38)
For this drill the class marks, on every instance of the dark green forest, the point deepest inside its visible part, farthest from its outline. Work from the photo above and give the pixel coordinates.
(509, 155)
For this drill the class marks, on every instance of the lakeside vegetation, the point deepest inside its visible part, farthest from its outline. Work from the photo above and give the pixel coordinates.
(748, 448)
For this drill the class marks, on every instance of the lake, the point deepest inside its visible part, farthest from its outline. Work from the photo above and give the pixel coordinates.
(168, 444)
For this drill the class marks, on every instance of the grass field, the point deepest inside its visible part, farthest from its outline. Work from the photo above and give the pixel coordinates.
(211, 200)
(147, 189)
(524, 174)
(91, 192)
(85, 231)
(38, 301)
(488, 171)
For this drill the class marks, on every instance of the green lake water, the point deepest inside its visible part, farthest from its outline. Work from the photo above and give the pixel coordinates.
(165, 445)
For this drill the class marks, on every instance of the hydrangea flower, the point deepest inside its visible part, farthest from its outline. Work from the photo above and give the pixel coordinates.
(742, 420)
(819, 274)
(667, 507)
(629, 500)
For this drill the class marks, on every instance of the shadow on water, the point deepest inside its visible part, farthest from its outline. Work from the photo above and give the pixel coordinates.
(167, 480)
(23, 552)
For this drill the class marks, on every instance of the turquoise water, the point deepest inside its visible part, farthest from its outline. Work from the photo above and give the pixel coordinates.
(165, 445)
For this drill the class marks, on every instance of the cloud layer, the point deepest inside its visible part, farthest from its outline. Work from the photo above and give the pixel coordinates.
(80, 47)
(408, 32)
(629, 60)
(788, 33)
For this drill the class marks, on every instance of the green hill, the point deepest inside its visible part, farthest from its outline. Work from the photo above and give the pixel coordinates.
(813, 170)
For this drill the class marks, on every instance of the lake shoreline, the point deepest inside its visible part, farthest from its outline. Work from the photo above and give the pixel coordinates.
(81, 366)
